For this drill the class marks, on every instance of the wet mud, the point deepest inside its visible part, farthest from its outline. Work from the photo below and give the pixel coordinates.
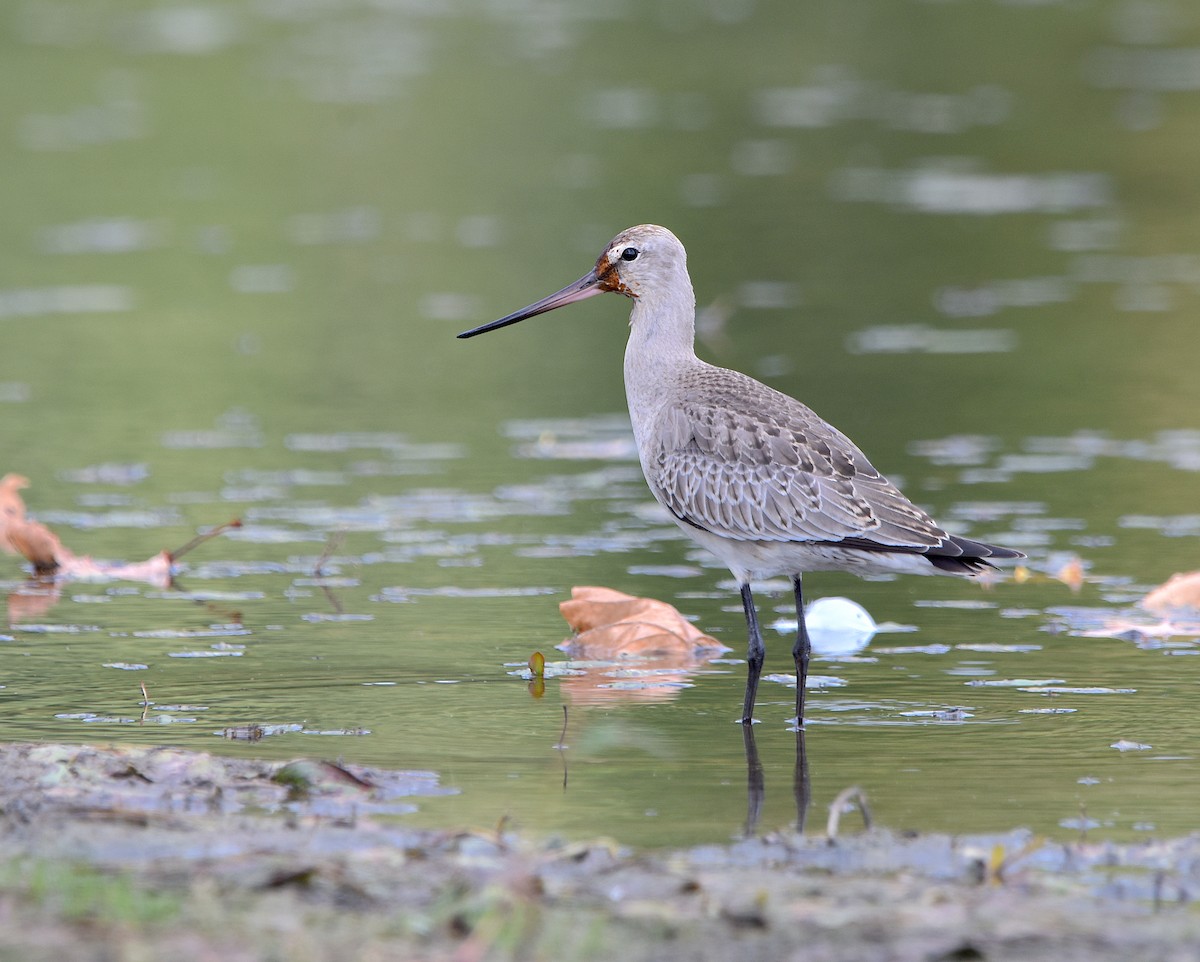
(127, 853)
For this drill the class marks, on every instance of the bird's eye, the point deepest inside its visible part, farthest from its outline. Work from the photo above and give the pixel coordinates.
(630, 254)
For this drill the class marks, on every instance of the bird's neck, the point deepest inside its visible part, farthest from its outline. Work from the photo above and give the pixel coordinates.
(663, 322)
(662, 334)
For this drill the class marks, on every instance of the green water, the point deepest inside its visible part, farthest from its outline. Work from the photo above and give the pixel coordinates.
(238, 239)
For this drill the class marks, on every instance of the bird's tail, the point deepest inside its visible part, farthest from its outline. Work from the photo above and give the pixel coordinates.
(964, 556)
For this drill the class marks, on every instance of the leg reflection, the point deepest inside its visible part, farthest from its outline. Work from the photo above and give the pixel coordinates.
(801, 788)
(756, 782)
(755, 786)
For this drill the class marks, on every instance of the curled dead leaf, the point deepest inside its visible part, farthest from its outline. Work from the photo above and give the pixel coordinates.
(12, 509)
(42, 548)
(11, 505)
(632, 649)
(39, 545)
(18, 535)
(610, 624)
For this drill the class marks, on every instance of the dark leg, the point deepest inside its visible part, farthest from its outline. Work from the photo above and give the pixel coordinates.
(756, 652)
(801, 652)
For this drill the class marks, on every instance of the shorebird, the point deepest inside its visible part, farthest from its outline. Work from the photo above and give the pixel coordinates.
(747, 472)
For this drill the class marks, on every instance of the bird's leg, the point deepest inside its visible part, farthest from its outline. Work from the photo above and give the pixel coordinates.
(756, 652)
(801, 652)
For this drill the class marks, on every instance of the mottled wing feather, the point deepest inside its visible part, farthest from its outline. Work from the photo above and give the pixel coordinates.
(750, 464)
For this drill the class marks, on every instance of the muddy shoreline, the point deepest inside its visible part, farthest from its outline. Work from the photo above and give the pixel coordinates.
(129, 853)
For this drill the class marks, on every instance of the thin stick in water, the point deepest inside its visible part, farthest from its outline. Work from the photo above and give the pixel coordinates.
(332, 543)
(201, 538)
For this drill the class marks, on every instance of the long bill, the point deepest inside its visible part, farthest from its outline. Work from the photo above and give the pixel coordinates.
(587, 286)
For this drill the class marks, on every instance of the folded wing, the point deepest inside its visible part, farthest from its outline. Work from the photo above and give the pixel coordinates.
(722, 465)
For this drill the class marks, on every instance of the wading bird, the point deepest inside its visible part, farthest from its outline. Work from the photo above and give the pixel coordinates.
(749, 473)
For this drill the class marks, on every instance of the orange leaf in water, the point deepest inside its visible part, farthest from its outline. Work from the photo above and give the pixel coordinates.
(537, 664)
(1181, 590)
(38, 544)
(610, 624)
(41, 547)
(19, 535)
(1071, 574)
(12, 508)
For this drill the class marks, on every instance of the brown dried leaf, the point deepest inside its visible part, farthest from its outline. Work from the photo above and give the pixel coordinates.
(1181, 590)
(11, 505)
(18, 535)
(42, 548)
(12, 508)
(38, 544)
(610, 625)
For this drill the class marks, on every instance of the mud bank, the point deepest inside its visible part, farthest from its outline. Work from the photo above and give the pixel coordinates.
(124, 854)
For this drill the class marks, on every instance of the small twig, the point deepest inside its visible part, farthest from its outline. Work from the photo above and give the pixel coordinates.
(332, 543)
(502, 826)
(835, 809)
(332, 598)
(561, 747)
(1002, 862)
(201, 538)
(562, 736)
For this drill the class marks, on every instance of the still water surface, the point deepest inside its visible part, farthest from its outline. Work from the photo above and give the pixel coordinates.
(239, 238)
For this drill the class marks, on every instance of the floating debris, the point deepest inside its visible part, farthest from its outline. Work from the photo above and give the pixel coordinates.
(610, 624)
(1179, 594)
(940, 714)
